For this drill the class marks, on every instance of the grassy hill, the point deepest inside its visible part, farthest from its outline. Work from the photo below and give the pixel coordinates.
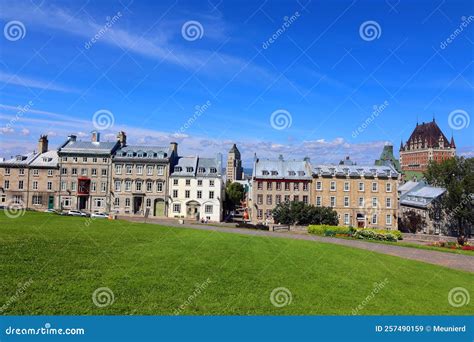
(160, 270)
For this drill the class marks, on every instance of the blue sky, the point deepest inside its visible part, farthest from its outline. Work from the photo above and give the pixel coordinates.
(322, 72)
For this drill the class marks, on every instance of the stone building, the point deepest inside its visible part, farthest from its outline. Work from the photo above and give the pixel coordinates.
(426, 143)
(196, 189)
(140, 178)
(234, 170)
(30, 180)
(363, 196)
(276, 181)
(388, 158)
(85, 169)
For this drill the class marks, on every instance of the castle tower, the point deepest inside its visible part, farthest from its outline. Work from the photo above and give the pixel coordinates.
(234, 169)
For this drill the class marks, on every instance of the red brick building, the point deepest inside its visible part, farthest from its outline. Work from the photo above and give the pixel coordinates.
(426, 143)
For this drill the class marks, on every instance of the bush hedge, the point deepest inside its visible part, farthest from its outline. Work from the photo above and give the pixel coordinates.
(359, 233)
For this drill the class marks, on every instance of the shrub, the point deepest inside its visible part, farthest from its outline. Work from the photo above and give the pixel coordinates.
(377, 234)
(323, 229)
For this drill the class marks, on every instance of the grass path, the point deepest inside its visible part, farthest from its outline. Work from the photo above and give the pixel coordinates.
(156, 270)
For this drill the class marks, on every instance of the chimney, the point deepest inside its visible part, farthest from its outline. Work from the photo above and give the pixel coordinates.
(174, 148)
(43, 144)
(306, 159)
(280, 157)
(71, 137)
(122, 138)
(95, 137)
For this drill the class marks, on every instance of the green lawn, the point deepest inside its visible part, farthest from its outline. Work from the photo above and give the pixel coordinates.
(154, 270)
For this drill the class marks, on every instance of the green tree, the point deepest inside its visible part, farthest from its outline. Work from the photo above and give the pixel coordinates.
(456, 175)
(412, 222)
(235, 193)
(303, 214)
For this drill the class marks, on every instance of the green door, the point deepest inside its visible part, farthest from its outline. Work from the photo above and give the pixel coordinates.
(159, 207)
(51, 202)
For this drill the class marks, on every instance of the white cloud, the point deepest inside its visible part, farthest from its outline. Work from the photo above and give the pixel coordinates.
(32, 83)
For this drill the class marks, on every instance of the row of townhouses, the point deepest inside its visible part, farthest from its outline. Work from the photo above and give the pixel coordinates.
(154, 181)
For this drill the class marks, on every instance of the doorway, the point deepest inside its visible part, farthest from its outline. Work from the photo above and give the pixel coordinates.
(192, 210)
(51, 202)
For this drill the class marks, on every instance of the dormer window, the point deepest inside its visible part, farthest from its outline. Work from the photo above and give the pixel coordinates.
(189, 169)
(178, 169)
(201, 170)
(292, 173)
(213, 170)
(129, 154)
(265, 173)
(274, 173)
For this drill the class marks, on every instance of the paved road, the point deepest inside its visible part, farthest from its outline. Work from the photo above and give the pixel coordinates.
(451, 260)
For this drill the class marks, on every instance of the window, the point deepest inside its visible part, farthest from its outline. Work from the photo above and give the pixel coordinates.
(388, 220)
(175, 193)
(149, 170)
(94, 160)
(149, 186)
(148, 202)
(388, 202)
(201, 170)
(305, 199)
(189, 169)
(278, 186)
(346, 218)
(211, 182)
(296, 198)
(199, 182)
(93, 186)
(118, 169)
(66, 202)
(139, 169)
(296, 186)
(35, 172)
(84, 159)
(49, 186)
(213, 170)
(74, 159)
(20, 185)
(277, 199)
(159, 186)
(64, 159)
(138, 186)
(211, 194)
(7, 185)
(63, 171)
(374, 187)
(84, 172)
(118, 186)
(361, 186)
(160, 169)
(259, 199)
(260, 185)
(346, 186)
(21, 172)
(199, 194)
(269, 185)
(50, 173)
(105, 160)
(361, 202)
(128, 169)
(269, 199)
(374, 202)
(319, 185)
(287, 186)
(318, 201)
(388, 187)
(333, 186)
(117, 201)
(208, 209)
(18, 199)
(37, 200)
(287, 198)
(7, 171)
(305, 186)
(99, 202)
(103, 172)
(176, 208)
(187, 194)
(73, 186)
(94, 172)
(35, 185)
(346, 201)
(259, 213)
(374, 219)
(128, 185)
(175, 181)
(63, 186)
(333, 201)
(73, 171)
(188, 182)
(127, 202)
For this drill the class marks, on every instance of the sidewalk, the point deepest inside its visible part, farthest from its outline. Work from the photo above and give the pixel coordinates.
(450, 260)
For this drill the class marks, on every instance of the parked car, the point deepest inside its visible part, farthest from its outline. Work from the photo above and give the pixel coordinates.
(76, 213)
(99, 215)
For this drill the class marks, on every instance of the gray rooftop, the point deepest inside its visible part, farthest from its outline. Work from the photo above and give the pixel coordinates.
(355, 170)
(47, 159)
(88, 147)
(282, 169)
(197, 166)
(20, 160)
(420, 195)
(146, 152)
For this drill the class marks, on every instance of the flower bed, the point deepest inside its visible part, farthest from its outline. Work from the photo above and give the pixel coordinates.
(452, 245)
(359, 233)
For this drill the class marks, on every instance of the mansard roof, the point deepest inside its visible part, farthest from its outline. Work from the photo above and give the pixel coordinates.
(428, 134)
(330, 170)
(282, 169)
(142, 152)
(47, 159)
(197, 166)
(20, 160)
(88, 147)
